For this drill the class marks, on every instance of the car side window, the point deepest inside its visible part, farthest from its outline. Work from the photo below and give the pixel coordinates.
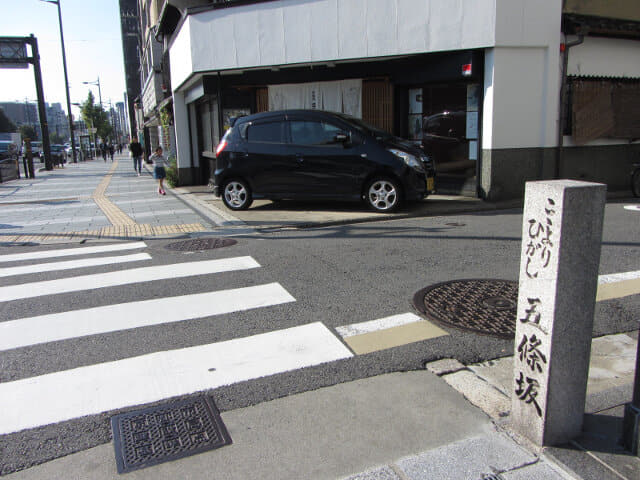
(308, 132)
(271, 132)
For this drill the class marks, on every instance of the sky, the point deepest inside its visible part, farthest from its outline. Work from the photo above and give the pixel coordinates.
(93, 46)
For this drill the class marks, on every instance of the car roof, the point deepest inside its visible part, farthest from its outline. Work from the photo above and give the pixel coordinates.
(286, 113)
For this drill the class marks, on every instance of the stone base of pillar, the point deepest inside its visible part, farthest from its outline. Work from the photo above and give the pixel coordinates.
(631, 432)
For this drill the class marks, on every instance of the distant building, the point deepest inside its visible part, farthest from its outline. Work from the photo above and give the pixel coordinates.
(21, 113)
(57, 120)
(130, 29)
(122, 126)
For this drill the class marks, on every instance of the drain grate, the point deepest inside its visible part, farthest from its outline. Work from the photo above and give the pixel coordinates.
(480, 306)
(201, 244)
(167, 432)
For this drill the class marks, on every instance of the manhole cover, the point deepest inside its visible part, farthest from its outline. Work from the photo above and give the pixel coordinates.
(167, 432)
(201, 244)
(480, 306)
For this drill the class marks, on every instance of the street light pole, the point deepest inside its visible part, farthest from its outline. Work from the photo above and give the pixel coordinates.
(66, 81)
(97, 82)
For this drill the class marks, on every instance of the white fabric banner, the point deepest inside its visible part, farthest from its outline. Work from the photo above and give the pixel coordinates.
(344, 96)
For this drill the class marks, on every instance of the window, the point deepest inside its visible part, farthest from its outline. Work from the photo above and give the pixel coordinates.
(266, 132)
(313, 133)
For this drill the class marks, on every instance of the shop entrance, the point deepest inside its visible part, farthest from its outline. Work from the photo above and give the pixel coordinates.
(443, 119)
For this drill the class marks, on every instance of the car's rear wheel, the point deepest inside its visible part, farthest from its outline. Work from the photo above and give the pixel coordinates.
(236, 195)
(383, 195)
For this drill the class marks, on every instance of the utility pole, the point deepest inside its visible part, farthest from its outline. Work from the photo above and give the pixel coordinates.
(66, 81)
(44, 126)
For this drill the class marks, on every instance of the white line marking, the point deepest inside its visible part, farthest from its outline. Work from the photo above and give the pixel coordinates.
(71, 264)
(94, 389)
(632, 207)
(379, 324)
(618, 277)
(126, 277)
(68, 252)
(92, 321)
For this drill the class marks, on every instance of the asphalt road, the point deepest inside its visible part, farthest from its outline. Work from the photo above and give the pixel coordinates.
(338, 275)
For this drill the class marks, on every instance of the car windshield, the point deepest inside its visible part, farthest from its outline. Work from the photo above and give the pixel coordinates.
(365, 127)
(57, 148)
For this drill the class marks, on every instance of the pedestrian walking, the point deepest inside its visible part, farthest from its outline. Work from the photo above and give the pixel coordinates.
(135, 150)
(111, 151)
(159, 172)
(103, 151)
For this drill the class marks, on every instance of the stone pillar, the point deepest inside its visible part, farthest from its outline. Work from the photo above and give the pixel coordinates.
(561, 238)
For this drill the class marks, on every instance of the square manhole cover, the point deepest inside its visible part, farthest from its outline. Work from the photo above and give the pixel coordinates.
(167, 432)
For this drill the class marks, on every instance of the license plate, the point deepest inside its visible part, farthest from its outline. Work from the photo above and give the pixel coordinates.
(430, 183)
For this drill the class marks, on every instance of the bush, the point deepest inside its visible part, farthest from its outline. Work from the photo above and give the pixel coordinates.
(172, 172)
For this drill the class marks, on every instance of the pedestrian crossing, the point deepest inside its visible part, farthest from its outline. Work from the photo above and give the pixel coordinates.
(136, 275)
(135, 380)
(148, 377)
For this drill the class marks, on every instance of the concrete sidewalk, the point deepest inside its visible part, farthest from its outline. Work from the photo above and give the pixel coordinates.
(265, 215)
(400, 426)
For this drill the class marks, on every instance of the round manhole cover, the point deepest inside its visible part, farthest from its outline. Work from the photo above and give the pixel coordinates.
(480, 306)
(201, 244)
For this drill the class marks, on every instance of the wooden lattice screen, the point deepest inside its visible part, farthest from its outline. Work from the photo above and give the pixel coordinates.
(377, 103)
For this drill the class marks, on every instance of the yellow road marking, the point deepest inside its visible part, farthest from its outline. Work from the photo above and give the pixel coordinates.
(624, 288)
(115, 231)
(393, 337)
(111, 211)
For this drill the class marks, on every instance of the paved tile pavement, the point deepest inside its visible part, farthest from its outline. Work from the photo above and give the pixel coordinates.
(93, 199)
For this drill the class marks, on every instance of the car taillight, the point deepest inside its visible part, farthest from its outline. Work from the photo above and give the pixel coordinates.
(221, 146)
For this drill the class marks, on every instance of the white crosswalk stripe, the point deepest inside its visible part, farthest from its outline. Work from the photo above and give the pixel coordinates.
(136, 275)
(137, 380)
(111, 318)
(72, 264)
(107, 386)
(70, 252)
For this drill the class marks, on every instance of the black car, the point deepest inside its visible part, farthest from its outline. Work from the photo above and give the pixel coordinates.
(317, 155)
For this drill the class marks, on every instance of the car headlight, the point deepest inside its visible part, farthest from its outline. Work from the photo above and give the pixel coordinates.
(409, 159)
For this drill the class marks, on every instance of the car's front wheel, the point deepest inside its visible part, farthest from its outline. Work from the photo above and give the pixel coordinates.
(383, 195)
(236, 195)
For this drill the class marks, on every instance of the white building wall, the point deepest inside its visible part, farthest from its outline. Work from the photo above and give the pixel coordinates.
(180, 55)
(181, 125)
(522, 76)
(303, 31)
(605, 57)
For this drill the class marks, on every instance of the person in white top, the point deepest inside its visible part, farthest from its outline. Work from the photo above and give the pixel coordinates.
(159, 172)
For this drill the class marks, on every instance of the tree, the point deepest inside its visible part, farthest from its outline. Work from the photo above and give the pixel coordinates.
(27, 131)
(6, 125)
(94, 116)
